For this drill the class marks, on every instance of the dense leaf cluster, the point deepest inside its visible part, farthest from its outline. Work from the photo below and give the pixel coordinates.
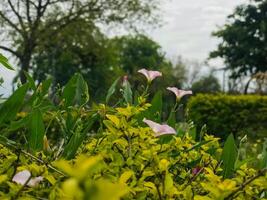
(225, 114)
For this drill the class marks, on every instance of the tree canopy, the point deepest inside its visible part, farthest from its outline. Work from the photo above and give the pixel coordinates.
(243, 43)
(26, 24)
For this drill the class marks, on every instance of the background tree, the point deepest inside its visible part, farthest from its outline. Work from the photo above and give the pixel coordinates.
(206, 84)
(80, 47)
(25, 24)
(244, 41)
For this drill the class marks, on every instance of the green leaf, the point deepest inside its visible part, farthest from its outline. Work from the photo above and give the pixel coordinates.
(229, 156)
(37, 130)
(193, 133)
(30, 80)
(171, 119)
(112, 90)
(263, 162)
(45, 85)
(21, 123)
(6, 141)
(13, 104)
(5, 63)
(198, 145)
(127, 92)
(77, 138)
(155, 110)
(76, 91)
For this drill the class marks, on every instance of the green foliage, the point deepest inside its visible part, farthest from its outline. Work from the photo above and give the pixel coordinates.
(57, 29)
(207, 84)
(226, 114)
(37, 130)
(76, 91)
(127, 92)
(243, 45)
(112, 90)
(5, 63)
(13, 104)
(229, 156)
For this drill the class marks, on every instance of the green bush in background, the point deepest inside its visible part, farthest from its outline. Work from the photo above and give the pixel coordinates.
(225, 114)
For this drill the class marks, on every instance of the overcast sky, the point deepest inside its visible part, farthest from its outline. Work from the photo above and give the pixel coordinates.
(189, 24)
(186, 31)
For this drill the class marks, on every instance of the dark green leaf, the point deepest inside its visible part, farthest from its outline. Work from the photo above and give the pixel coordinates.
(263, 163)
(154, 112)
(229, 156)
(127, 92)
(112, 90)
(4, 62)
(76, 91)
(37, 130)
(77, 138)
(13, 104)
(30, 80)
(171, 119)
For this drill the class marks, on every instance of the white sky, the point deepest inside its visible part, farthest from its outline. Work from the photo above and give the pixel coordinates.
(186, 31)
(189, 24)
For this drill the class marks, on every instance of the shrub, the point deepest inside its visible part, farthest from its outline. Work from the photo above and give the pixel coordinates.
(127, 161)
(225, 114)
(108, 152)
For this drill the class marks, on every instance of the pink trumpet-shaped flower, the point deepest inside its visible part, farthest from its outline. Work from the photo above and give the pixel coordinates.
(179, 93)
(150, 75)
(160, 129)
(23, 176)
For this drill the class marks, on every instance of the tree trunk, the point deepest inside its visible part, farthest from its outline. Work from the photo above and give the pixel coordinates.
(25, 65)
(247, 85)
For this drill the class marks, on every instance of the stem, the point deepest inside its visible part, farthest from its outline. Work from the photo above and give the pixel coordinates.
(146, 90)
(43, 162)
(160, 197)
(241, 187)
(34, 157)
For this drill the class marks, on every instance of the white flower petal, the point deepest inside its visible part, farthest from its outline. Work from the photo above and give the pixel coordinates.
(21, 177)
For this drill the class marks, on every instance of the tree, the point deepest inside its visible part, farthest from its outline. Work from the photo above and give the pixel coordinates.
(26, 23)
(244, 41)
(206, 84)
(139, 51)
(80, 47)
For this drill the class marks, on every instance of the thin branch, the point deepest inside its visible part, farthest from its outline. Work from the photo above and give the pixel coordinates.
(14, 26)
(243, 185)
(17, 14)
(11, 51)
(28, 12)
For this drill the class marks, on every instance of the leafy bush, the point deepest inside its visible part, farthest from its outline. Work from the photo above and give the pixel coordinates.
(108, 152)
(225, 114)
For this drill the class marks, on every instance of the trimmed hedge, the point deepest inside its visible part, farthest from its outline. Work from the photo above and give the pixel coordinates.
(225, 114)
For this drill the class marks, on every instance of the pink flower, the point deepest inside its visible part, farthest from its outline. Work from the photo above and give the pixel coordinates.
(179, 93)
(23, 176)
(150, 75)
(196, 170)
(160, 129)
